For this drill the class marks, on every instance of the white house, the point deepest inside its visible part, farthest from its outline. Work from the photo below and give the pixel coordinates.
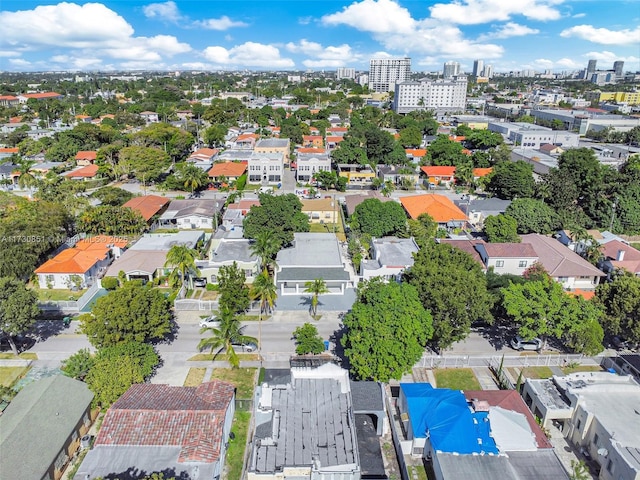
(503, 258)
(390, 257)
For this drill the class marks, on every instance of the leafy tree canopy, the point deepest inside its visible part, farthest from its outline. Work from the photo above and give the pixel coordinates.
(234, 293)
(18, 309)
(511, 180)
(379, 219)
(501, 229)
(111, 220)
(453, 287)
(532, 216)
(131, 313)
(620, 300)
(280, 214)
(114, 196)
(308, 340)
(387, 331)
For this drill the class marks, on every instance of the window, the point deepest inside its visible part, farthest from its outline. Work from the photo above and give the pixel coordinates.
(522, 264)
(499, 263)
(579, 424)
(610, 467)
(595, 439)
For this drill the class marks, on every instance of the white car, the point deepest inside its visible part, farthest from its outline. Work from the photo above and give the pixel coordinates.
(519, 343)
(209, 322)
(247, 347)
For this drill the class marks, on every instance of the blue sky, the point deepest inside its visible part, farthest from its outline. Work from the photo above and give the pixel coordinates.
(559, 35)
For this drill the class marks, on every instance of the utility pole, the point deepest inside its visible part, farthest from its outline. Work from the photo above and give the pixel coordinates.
(613, 214)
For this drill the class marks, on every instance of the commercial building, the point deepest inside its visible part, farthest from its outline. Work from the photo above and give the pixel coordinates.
(343, 72)
(266, 168)
(384, 73)
(531, 136)
(451, 69)
(274, 145)
(448, 95)
(478, 66)
(307, 164)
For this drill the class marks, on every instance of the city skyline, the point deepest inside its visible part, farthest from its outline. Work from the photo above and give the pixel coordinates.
(539, 35)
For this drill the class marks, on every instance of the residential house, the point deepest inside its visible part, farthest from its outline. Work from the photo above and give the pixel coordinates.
(507, 258)
(564, 266)
(148, 205)
(321, 210)
(352, 201)
(181, 431)
(415, 155)
(227, 172)
(8, 101)
(230, 248)
(83, 119)
(390, 257)
(309, 162)
(443, 211)
(306, 428)
(466, 245)
(620, 256)
(234, 155)
(6, 152)
(478, 209)
(266, 168)
(312, 256)
(274, 145)
(81, 266)
(25, 97)
(86, 157)
(246, 141)
(6, 175)
(474, 435)
(439, 175)
(191, 214)
(312, 141)
(403, 176)
(40, 430)
(337, 131)
(150, 117)
(550, 149)
(597, 412)
(479, 173)
(145, 260)
(88, 172)
(332, 141)
(203, 157)
(358, 176)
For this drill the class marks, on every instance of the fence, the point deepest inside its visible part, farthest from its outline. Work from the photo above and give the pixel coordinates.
(89, 294)
(464, 361)
(189, 305)
(71, 306)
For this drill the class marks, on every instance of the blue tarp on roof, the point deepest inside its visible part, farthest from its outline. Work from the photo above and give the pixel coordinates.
(446, 416)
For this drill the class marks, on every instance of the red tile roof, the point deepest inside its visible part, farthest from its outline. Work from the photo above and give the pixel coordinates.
(161, 415)
(246, 136)
(440, 208)
(88, 171)
(86, 155)
(510, 400)
(228, 169)
(205, 152)
(337, 139)
(10, 150)
(82, 257)
(42, 95)
(482, 172)
(8, 97)
(439, 171)
(337, 129)
(510, 250)
(311, 138)
(147, 205)
(631, 259)
(466, 246)
(310, 150)
(243, 205)
(416, 152)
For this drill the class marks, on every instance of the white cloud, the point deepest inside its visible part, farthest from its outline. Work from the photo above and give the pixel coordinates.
(472, 12)
(9, 53)
(544, 63)
(19, 62)
(376, 16)
(167, 11)
(510, 29)
(305, 20)
(220, 24)
(249, 54)
(610, 57)
(603, 36)
(87, 32)
(330, 56)
(579, 15)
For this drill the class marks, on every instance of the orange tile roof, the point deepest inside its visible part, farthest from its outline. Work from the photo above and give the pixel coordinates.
(482, 172)
(86, 155)
(311, 137)
(82, 257)
(208, 152)
(337, 129)
(15, 119)
(586, 294)
(416, 152)
(147, 205)
(42, 95)
(228, 169)
(337, 139)
(8, 97)
(439, 171)
(439, 207)
(310, 150)
(85, 172)
(246, 136)
(459, 138)
(10, 150)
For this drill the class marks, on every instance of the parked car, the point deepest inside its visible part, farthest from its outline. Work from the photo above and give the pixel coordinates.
(199, 282)
(247, 347)
(210, 322)
(519, 343)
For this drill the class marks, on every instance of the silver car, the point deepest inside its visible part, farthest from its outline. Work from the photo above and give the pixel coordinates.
(209, 322)
(519, 343)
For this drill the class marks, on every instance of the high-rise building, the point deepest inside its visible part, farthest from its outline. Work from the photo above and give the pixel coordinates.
(384, 73)
(451, 69)
(343, 72)
(478, 66)
(618, 68)
(487, 71)
(448, 94)
(591, 66)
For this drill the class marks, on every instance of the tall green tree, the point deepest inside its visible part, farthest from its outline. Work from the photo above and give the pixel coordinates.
(387, 330)
(511, 180)
(18, 310)
(379, 219)
(131, 313)
(280, 214)
(110, 220)
(27, 176)
(78, 365)
(620, 300)
(264, 290)
(308, 340)
(422, 229)
(533, 216)
(316, 288)
(501, 228)
(234, 293)
(183, 261)
(224, 337)
(266, 246)
(453, 287)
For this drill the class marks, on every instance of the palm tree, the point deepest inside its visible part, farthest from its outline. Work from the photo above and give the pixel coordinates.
(27, 178)
(263, 289)
(316, 288)
(224, 337)
(183, 260)
(387, 188)
(266, 246)
(192, 177)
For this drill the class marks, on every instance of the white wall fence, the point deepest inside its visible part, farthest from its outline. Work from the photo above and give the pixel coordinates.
(522, 361)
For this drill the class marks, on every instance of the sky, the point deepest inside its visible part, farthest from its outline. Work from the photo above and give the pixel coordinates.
(510, 35)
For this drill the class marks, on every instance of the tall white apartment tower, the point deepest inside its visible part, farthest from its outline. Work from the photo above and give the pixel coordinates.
(478, 66)
(487, 71)
(384, 73)
(343, 72)
(451, 69)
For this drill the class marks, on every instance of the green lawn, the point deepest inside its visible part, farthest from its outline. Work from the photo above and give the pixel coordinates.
(456, 379)
(195, 376)
(23, 355)
(581, 368)
(235, 452)
(532, 372)
(243, 378)
(208, 357)
(56, 295)
(9, 375)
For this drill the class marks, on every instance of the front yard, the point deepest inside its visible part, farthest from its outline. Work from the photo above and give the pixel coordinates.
(57, 295)
(531, 372)
(456, 379)
(10, 375)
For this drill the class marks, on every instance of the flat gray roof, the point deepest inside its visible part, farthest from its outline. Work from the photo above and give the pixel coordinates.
(475, 467)
(309, 274)
(233, 250)
(394, 252)
(311, 249)
(186, 208)
(272, 143)
(534, 465)
(164, 241)
(311, 420)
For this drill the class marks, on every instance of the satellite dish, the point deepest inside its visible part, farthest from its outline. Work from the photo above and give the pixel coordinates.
(603, 452)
